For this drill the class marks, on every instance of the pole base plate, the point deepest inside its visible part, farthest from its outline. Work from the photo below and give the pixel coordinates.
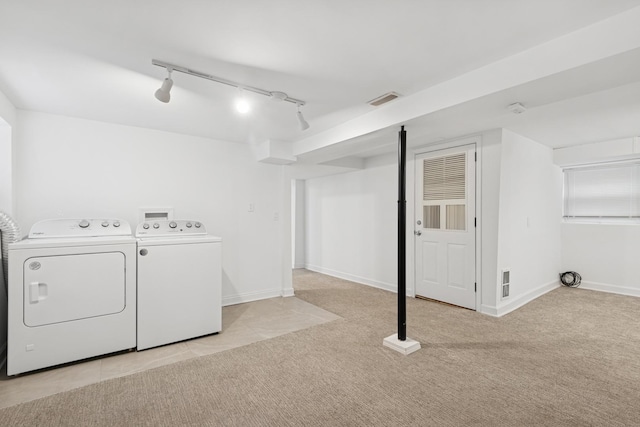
(405, 347)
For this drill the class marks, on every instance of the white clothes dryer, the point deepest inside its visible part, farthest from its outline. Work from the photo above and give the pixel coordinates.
(72, 293)
(179, 282)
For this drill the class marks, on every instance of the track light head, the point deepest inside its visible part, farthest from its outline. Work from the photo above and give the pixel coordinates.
(304, 125)
(164, 93)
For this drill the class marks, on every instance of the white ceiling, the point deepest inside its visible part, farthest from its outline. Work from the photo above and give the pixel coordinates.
(92, 59)
(580, 106)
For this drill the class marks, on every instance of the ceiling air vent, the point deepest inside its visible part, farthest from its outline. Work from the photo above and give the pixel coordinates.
(384, 99)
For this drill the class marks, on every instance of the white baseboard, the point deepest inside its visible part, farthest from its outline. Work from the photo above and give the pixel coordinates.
(489, 310)
(251, 296)
(287, 292)
(509, 305)
(353, 278)
(614, 289)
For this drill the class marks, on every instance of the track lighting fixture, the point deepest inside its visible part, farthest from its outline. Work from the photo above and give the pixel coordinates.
(163, 94)
(304, 125)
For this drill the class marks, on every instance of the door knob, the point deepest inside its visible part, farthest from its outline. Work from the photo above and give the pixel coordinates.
(417, 233)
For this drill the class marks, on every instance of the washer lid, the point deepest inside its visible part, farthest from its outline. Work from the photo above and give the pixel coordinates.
(177, 240)
(63, 228)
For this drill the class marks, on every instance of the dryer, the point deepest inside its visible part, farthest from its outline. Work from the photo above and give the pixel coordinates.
(72, 293)
(179, 282)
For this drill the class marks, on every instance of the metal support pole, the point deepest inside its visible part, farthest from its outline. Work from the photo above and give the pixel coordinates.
(402, 237)
(400, 342)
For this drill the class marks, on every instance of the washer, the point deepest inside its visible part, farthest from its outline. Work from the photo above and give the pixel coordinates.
(72, 293)
(179, 282)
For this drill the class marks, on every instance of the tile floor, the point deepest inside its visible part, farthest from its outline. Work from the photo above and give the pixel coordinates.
(242, 324)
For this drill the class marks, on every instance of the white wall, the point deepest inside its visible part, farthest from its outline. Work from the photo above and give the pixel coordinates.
(298, 222)
(605, 255)
(7, 136)
(6, 193)
(487, 209)
(7, 110)
(351, 221)
(67, 167)
(342, 211)
(7, 120)
(351, 226)
(618, 149)
(529, 242)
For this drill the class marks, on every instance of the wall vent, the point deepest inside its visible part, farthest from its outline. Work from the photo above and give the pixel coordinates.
(383, 99)
(506, 281)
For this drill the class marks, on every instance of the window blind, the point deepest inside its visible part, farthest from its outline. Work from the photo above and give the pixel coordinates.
(603, 191)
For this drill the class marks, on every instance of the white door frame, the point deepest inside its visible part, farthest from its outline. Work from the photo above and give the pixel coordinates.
(410, 188)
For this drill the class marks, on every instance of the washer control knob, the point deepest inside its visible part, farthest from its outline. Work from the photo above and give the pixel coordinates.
(173, 224)
(116, 223)
(198, 225)
(105, 223)
(84, 223)
(189, 225)
(156, 225)
(145, 226)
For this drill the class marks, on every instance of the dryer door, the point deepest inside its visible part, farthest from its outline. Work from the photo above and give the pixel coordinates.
(71, 287)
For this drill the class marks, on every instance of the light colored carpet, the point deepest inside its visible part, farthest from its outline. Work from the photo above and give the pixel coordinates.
(570, 358)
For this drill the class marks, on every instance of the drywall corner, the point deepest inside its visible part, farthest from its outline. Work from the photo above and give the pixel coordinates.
(7, 110)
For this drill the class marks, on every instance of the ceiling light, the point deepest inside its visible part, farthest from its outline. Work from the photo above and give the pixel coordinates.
(242, 105)
(304, 125)
(164, 93)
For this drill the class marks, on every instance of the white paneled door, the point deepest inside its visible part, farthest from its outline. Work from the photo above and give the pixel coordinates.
(445, 226)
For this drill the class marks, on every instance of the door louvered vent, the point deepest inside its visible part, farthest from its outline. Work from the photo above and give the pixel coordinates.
(444, 177)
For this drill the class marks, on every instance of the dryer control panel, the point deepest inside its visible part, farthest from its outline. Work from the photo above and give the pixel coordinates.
(172, 227)
(56, 228)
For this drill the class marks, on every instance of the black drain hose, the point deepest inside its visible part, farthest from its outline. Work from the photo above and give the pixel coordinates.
(570, 279)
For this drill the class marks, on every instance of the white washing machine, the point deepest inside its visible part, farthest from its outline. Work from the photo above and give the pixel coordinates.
(72, 293)
(179, 282)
